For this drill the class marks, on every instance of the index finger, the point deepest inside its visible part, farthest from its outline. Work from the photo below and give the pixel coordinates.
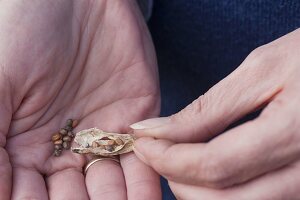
(141, 181)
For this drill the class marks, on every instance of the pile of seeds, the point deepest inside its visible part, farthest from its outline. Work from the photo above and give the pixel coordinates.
(63, 138)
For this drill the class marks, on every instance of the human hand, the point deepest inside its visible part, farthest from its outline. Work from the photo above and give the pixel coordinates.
(257, 160)
(88, 60)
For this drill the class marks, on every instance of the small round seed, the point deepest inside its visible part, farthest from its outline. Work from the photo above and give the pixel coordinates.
(75, 123)
(57, 152)
(119, 141)
(68, 128)
(66, 145)
(58, 142)
(109, 148)
(69, 122)
(95, 144)
(57, 146)
(71, 134)
(63, 131)
(67, 139)
(56, 136)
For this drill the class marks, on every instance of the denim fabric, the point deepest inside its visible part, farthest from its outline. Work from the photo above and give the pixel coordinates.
(199, 42)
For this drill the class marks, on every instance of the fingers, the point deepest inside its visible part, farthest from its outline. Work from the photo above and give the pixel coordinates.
(105, 180)
(229, 100)
(141, 181)
(5, 175)
(234, 157)
(277, 185)
(28, 184)
(173, 161)
(67, 184)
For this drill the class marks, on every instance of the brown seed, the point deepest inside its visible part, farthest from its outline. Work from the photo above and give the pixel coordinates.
(68, 128)
(58, 142)
(119, 141)
(69, 122)
(71, 134)
(75, 123)
(57, 146)
(67, 139)
(66, 145)
(111, 142)
(57, 152)
(63, 131)
(95, 144)
(56, 136)
(109, 148)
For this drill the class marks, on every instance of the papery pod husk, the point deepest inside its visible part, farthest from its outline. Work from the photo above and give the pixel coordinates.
(85, 138)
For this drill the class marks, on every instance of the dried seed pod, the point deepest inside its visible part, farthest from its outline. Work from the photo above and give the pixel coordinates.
(58, 142)
(56, 136)
(67, 138)
(85, 139)
(63, 131)
(66, 145)
(57, 146)
(57, 152)
(75, 123)
(71, 134)
(69, 122)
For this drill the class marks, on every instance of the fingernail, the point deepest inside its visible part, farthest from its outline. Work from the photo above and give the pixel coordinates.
(150, 123)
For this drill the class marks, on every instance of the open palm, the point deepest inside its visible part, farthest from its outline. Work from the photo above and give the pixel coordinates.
(89, 60)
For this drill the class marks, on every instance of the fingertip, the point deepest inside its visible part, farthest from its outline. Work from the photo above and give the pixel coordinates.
(149, 149)
(140, 148)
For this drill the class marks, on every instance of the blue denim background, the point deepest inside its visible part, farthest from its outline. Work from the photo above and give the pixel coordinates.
(199, 42)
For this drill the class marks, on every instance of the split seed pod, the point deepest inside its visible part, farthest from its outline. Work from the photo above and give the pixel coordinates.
(93, 140)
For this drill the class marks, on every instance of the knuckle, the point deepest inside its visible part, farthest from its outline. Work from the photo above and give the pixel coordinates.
(198, 105)
(195, 108)
(261, 56)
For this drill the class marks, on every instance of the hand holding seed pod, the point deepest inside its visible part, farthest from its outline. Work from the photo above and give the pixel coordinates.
(98, 142)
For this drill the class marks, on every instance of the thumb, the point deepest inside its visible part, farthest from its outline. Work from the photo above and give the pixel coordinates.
(230, 99)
